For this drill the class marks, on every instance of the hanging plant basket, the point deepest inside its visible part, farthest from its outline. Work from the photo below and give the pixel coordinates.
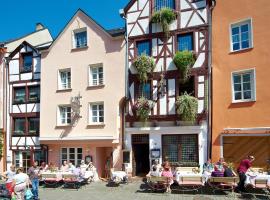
(143, 108)
(184, 60)
(165, 18)
(186, 107)
(144, 65)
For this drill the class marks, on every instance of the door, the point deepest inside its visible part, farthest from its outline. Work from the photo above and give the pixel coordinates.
(140, 147)
(23, 159)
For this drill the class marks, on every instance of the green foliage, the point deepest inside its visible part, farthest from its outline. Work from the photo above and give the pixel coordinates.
(164, 17)
(184, 60)
(144, 65)
(143, 108)
(186, 107)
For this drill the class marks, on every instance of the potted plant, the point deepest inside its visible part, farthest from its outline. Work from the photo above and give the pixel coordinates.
(143, 108)
(183, 61)
(186, 107)
(144, 65)
(165, 18)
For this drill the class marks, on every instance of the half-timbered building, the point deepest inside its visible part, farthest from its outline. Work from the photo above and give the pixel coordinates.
(22, 98)
(164, 135)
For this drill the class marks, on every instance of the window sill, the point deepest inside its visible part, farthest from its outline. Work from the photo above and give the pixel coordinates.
(91, 125)
(79, 48)
(63, 126)
(241, 50)
(25, 135)
(90, 87)
(63, 90)
(243, 101)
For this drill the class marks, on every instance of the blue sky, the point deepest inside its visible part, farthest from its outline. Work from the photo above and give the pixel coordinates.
(20, 16)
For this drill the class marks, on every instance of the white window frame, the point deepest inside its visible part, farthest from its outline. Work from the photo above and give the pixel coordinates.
(239, 23)
(60, 84)
(90, 120)
(59, 120)
(79, 30)
(75, 152)
(99, 81)
(253, 85)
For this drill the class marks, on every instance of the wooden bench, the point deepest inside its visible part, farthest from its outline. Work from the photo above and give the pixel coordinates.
(157, 183)
(223, 183)
(190, 183)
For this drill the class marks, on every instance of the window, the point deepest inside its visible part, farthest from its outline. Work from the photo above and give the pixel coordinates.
(27, 62)
(143, 47)
(64, 115)
(243, 86)
(19, 126)
(159, 4)
(145, 90)
(33, 126)
(65, 79)
(187, 86)
(241, 36)
(96, 75)
(19, 95)
(96, 112)
(80, 38)
(33, 94)
(73, 155)
(181, 148)
(185, 42)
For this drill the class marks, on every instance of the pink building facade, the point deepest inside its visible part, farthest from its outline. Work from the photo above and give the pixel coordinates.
(81, 91)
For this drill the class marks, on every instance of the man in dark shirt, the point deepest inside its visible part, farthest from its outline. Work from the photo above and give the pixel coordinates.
(34, 173)
(242, 169)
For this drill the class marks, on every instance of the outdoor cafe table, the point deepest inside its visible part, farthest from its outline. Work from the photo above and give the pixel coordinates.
(253, 176)
(59, 174)
(119, 174)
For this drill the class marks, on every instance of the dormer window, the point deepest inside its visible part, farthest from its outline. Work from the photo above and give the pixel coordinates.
(27, 62)
(80, 38)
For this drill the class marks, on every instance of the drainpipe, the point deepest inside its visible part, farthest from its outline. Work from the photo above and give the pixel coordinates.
(212, 4)
(124, 16)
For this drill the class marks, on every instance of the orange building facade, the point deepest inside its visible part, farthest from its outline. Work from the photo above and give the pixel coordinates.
(241, 68)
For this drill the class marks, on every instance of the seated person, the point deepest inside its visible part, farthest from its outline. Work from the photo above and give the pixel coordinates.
(44, 167)
(157, 165)
(219, 164)
(167, 173)
(71, 167)
(83, 166)
(228, 172)
(154, 172)
(77, 171)
(217, 172)
(65, 167)
(51, 167)
(208, 166)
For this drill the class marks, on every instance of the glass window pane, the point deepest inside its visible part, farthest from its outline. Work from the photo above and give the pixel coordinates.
(33, 125)
(246, 77)
(101, 119)
(27, 62)
(94, 107)
(185, 42)
(237, 87)
(143, 48)
(235, 30)
(19, 95)
(247, 94)
(246, 86)
(64, 150)
(244, 28)
(236, 78)
(79, 150)
(94, 113)
(244, 36)
(19, 126)
(34, 94)
(159, 4)
(237, 96)
(236, 46)
(81, 39)
(235, 38)
(94, 119)
(71, 150)
(245, 44)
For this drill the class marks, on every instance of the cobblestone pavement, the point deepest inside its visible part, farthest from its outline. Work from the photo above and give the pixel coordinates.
(131, 191)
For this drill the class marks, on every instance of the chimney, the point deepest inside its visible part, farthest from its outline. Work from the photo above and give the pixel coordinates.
(39, 26)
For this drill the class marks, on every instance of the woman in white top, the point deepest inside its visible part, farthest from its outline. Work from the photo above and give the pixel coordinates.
(9, 175)
(21, 182)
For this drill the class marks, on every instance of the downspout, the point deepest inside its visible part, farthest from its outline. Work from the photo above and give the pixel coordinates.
(123, 15)
(211, 5)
